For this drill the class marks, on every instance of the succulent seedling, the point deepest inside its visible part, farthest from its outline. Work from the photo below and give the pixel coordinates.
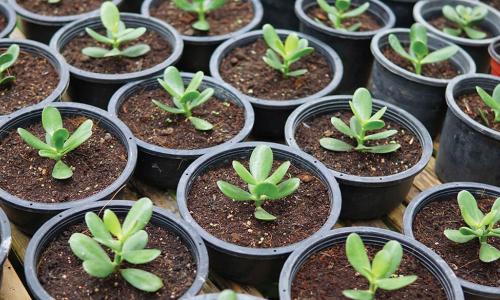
(340, 11)
(227, 295)
(465, 18)
(7, 59)
(200, 7)
(492, 101)
(53, 1)
(261, 186)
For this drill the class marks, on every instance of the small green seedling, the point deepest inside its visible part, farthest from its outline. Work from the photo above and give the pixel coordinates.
(227, 295)
(126, 242)
(290, 52)
(381, 272)
(465, 18)
(479, 226)
(338, 13)
(54, 1)
(58, 141)
(360, 124)
(7, 59)
(116, 35)
(492, 102)
(185, 99)
(419, 51)
(200, 7)
(261, 186)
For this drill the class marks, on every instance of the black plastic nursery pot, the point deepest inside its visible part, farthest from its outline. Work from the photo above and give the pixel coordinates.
(29, 215)
(198, 49)
(5, 240)
(403, 10)
(366, 197)
(271, 115)
(376, 237)
(132, 6)
(215, 297)
(421, 96)
(280, 13)
(97, 88)
(352, 47)
(468, 150)
(161, 166)
(10, 19)
(478, 49)
(494, 50)
(255, 266)
(162, 218)
(472, 291)
(40, 27)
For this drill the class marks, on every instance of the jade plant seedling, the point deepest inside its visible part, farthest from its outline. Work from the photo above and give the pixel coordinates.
(479, 226)
(200, 7)
(125, 241)
(360, 123)
(290, 52)
(227, 295)
(185, 99)
(58, 141)
(7, 59)
(465, 18)
(381, 272)
(418, 53)
(116, 35)
(340, 11)
(261, 186)
(54, 1)
(492, 101)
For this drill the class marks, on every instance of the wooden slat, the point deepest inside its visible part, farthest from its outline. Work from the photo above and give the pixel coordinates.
(12, 287)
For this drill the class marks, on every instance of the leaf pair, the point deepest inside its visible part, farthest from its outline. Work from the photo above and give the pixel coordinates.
(7, 59)
(127, 242)
(465, 18)
(492, 101)
(185, 98)
(58, 141)
(479, 226)
(338, 13)
(261, 186)
(290, 52)
(380, 272)
(116, 34)
(359, 125)
(200, 7)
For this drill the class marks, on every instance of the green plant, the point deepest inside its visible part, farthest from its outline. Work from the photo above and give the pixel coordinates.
(7, 59)
(54, 1)
(261, 186)
(201, 7)
(380, 273)
(128, 245)
(116, 35)
(419, 54)
(227, 295)
(185, 99)
(360, 124)
(338, 13)
(480, 226)
(58, 141)
(290, 52)
(465, 18)
(492, 102)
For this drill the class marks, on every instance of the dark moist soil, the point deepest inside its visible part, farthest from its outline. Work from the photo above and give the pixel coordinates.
(160, 51)
(441, 22)
(327, 273)
(36, 79)
(298, 215)
(440, 70)
(356, 163)
(232, 16)
(367, 20)
(97, 163)
(63, 8)
(62, 275)
(3, 22)
(472, 104)
(155, 126)
(493, 3)
(244, 68)
(429, 225)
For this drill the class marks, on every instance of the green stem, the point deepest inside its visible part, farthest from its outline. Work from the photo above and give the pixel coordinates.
(418, 68)
(373, 289)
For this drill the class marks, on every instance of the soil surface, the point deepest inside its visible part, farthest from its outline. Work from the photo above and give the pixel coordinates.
(3, 22)
(473, 105)
(327, 273)
(61, 273)
(36, 79)
(62, 8)
(160, 51)
(310, 131)
(429, 225)
(440, 70)
(96, 164)
(155, 126)
(367, 20)
(232, 16)
(493, 3)
(441, 22)
(298, 215)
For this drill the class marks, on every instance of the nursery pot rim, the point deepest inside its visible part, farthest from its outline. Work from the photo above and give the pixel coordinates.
(10, 16)
(492, 49)
(444, 189)
(249, 252)
(114, 106)
(150, 23)
(127, 142)
(5, 235)
(330, 55)
(198, 252)
(213, 39)
(420, 132)
(399, 71)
